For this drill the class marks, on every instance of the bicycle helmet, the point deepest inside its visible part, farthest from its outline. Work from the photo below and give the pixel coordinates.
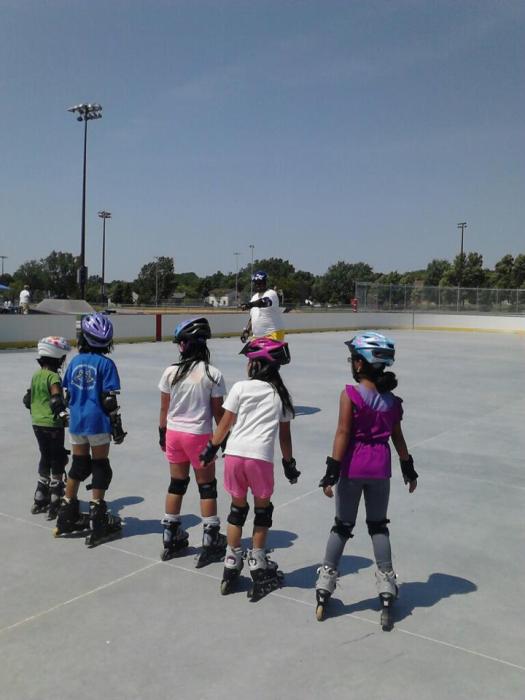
(373, 347)
(53, 346)
(192, 329)
(259, 276)
(271, 351)
(97, 330)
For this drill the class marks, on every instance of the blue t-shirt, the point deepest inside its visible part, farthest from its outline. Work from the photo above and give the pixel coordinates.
(86, 377)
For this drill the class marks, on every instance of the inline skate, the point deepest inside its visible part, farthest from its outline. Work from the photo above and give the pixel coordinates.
(233, 563)
(56, 492)
(388, 591)
(174, 539)
(42, 496)
(266, 577)
(324, 587)
(213, 546)
(69, 518)
(103, 524)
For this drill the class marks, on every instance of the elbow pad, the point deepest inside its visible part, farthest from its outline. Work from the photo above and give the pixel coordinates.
(58, 405)
(26, 400)
(108, 399)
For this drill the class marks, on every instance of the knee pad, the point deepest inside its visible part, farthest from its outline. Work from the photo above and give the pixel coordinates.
(378, 527)
(102, 473)
(343, 529)
(263, 516)
(179, 486)
(238, 515)
(208, 490)
(80, 467)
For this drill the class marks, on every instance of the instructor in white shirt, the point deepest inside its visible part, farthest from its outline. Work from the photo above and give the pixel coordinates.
(266, 318)
(25, 297)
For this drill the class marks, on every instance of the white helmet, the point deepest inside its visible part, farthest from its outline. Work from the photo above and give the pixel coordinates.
(53, 346)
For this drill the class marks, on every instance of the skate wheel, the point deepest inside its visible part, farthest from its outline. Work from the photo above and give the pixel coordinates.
(319, 613)
(386, 621)
(55, 531)
(165, 554)
(225, 587)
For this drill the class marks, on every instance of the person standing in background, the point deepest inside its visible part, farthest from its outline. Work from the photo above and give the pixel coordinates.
(25, 298)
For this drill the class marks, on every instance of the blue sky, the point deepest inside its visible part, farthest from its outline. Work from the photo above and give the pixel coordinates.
(317, 131)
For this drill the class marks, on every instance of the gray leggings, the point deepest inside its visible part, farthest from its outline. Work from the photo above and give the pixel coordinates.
(347, 496)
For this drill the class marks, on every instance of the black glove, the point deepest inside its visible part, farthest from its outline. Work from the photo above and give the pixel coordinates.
(162, 438)
(245, 335)
(209, 452)
(290, 471)
(224, 443)
(27, 399)
(333, 469)
(407, 469)
(246, 307)
(117, 431)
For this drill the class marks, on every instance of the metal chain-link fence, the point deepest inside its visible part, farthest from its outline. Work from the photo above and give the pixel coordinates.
(406, 297)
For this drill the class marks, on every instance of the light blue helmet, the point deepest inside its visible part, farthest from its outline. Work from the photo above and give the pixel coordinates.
(373, 347)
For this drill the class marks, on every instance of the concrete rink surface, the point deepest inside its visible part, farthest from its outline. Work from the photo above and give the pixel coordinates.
(115, 622)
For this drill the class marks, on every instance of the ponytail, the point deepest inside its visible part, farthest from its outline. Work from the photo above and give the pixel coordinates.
(383, 381)
(270, 373)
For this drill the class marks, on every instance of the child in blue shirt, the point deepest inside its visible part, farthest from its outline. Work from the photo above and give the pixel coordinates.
(92, 384)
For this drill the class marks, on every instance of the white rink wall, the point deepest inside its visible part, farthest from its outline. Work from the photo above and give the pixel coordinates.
(29, 329)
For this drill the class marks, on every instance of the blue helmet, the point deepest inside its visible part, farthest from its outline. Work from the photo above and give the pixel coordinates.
(374, 347)
(259, 276)
(192, 329)
(97, 330)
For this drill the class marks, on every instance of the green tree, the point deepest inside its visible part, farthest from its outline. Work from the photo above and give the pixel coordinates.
(468, 269)
(503, 272)
(337, 285)
(33, 274)
(156, 280)
(60, 270)
(518, 272)
(435, 270)
(120, 292)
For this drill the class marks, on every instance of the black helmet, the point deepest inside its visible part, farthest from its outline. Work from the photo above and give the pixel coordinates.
(192, 329)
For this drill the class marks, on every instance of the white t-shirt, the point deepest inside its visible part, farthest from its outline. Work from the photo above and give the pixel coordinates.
(190, 400)
(268, 319)
(25, 296)
(259, 411)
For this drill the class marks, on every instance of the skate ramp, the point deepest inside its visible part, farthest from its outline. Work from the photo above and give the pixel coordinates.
(64, 306)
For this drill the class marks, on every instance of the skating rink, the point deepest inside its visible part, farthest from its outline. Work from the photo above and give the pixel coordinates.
(115, 622)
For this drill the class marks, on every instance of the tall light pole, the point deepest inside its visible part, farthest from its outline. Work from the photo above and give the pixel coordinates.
(84, 112)
(236, 278)
(251, 272)
(4, 257)
(462, 226)
(103, 215)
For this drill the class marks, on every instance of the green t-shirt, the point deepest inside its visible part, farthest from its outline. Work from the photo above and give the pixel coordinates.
(41, 384)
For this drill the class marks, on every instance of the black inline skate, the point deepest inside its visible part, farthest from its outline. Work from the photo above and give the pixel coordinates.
(56, 492)
(42, 496)
(69, 518)
(213, 546)
(324, 587)
(266, 577)
(174, 539)
(388, 592)
(233, 563)
(103, 525)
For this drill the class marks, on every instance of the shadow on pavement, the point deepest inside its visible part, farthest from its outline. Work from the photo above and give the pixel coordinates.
(306, 410)
(412, 595)
(307, 576)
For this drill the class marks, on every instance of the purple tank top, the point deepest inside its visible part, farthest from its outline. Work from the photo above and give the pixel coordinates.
(368, 453)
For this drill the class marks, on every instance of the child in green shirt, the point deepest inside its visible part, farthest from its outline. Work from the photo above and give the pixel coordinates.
(46, 402)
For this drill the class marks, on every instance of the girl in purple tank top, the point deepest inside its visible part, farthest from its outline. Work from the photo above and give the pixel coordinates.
(369, 416)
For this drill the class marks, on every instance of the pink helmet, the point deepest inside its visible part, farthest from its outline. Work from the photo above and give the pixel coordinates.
(274, 352)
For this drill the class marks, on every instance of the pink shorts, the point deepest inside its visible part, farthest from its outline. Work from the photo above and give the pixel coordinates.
(185, 447)
(243, 473)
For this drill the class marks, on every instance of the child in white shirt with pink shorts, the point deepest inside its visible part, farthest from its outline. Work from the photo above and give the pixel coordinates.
(192, 392)
(255, 410)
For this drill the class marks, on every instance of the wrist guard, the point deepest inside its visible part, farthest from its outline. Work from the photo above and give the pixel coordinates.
(224, 443)
(244, 335)
(333, 470)
(290, 470)
(162, 438)
(407, 469)
(209, 452)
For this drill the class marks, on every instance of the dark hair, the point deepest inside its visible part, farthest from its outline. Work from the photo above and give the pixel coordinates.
(384, 381)
(193, 353)
(258, 369)
(54, 363)
(84, 346)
